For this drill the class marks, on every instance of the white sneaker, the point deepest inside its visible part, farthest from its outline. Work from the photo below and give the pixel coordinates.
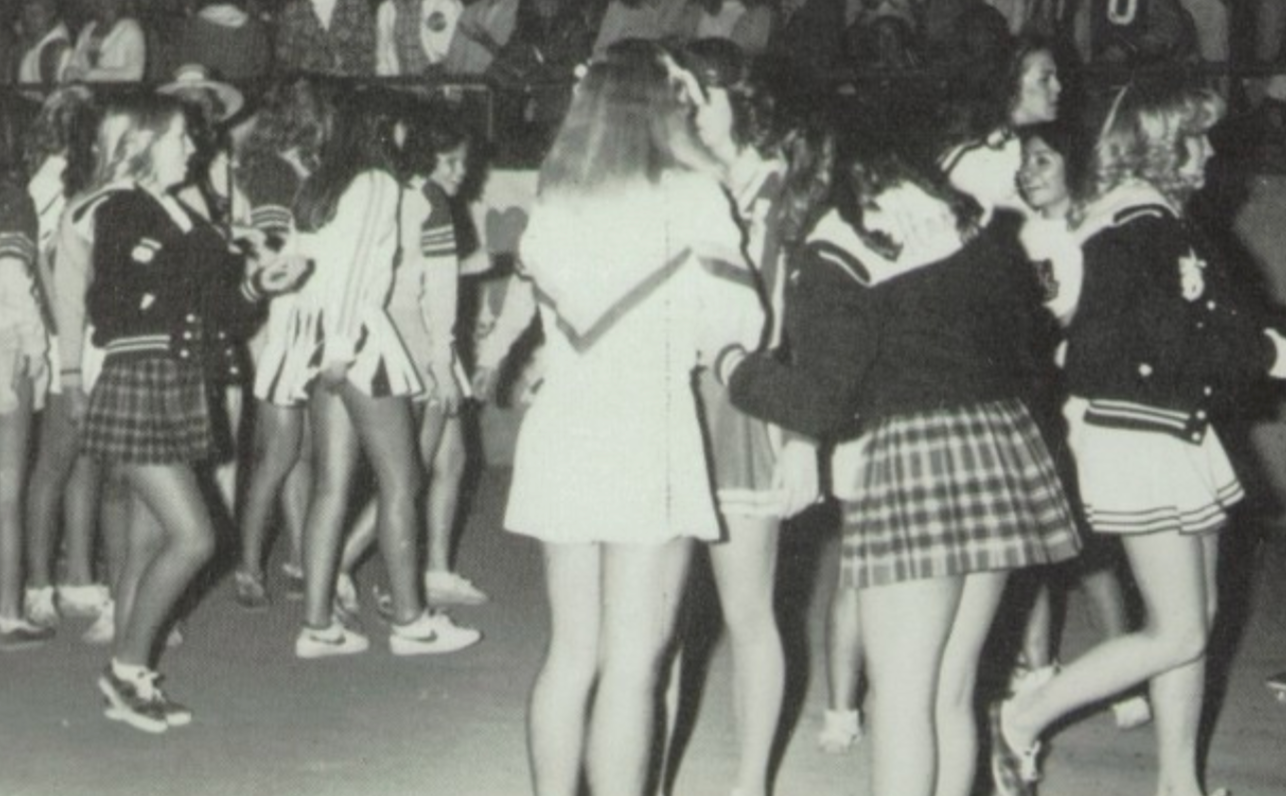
(1131, 712)
(841, 730)
(329, 642)
(82, 601)
(449, 588)
(431, 634)
(103, 631)
(40, 607)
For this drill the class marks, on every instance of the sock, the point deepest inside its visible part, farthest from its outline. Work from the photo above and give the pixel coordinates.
(128, 671)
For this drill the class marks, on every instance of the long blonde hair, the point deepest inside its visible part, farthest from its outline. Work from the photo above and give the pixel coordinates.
(126, 134)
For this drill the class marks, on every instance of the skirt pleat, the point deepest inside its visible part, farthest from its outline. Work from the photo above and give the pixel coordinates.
(950, 492)
(148, 411)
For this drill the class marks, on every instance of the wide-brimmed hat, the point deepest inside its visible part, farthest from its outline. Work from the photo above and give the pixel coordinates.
(196, 78)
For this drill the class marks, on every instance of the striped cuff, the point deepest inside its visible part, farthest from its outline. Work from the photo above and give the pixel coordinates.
(727, 361)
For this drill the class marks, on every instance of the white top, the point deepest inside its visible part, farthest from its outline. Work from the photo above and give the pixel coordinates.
(611, 450)
(121, 56)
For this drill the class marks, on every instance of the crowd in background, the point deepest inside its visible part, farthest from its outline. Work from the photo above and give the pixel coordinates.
(530, 41)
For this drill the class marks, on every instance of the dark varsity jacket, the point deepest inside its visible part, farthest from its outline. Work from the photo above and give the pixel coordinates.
(1161, 336)
(160, 290)
(956, 332)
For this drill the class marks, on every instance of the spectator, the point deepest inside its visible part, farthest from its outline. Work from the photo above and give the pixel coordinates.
(1143, 31)
(1270, 24)
(638, 19)
(226, 40)
(335, 37)
(45, 44)
(811, 32)
(110, 48)
(748, 24)
(414, 35)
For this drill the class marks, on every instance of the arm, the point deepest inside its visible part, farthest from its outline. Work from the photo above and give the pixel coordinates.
(71, 281)
(833, 339)
(385, 51)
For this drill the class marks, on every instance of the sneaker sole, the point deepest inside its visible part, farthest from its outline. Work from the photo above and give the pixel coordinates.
(179, 720)
(454, 598)
(405, 647)
(118, 711)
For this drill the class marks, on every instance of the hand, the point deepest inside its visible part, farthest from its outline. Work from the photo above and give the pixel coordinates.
(796, 475)
(77, 405)
(485, 381)
(282, 274)
(334, 375)
(1278, 370)
(444, 393)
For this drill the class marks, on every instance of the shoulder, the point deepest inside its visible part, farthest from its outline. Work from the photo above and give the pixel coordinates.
(126, 212)
(269, 180)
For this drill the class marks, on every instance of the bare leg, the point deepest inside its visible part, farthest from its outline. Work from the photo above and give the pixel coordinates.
(225, 474)
(442, 499)
(80, 502)
(745, 569)
(556, 720)
(642, 590)
(905, 628)
(1170, 570)
(115, 514)
(55, 459)
(15, 434)
(386, 433)
(276, 452)
(1037, 635)
(335, 450)
(956, 721)
(171, 495)
(843, 648)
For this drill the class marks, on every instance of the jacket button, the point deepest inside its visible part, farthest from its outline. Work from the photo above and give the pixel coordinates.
(191, 318)
(1145, 370)
(1208, 390)
(1201, 414)
(183, 354)
(1210, 305)
(187, 335)
(1196, 436)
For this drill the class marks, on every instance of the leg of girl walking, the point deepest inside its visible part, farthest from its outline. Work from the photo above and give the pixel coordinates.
(1179, 694)
(55, 459)
(278, 431)
(384, 427)
(557, 715)
(956, 718)
(335, 453)
(745, 569)
(1170, 571)
(446, 475)
(841, 725)
(642, 590)
(171, 495)
(905, 628)
(15, 430)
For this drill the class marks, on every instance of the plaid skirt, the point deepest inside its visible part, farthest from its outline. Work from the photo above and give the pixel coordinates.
(950, 492)
(148, 411)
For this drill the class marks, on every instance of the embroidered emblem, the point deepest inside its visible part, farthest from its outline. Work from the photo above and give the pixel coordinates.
(148, 300)
(1048, 282)
(145, 251)
(437, 22)
(1192, 279)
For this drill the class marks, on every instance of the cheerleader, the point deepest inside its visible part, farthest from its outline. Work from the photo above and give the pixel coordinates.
(636, 261)
(423, 306)
(23, 349)
(1159, 341)
(911, 319)
(166, 291)
(346, 357)
(280, 153)
(761, 475)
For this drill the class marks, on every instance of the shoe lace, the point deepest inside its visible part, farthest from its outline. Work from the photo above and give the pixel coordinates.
(145, 686)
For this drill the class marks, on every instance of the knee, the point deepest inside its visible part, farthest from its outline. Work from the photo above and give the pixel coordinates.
(751, 621)
(1181, 642)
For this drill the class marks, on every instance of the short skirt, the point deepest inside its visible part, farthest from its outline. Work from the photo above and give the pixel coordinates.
(1134, 482)
(292, 358)
(952, 492)
(743, 456)
(151, 410)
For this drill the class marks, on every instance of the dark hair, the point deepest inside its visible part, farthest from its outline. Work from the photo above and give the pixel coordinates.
(65, 127)
(297, 114)
(1070, 142)
(868, 171)
(777, 112)
(362, 140)
(432, 130)
(987, 88)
